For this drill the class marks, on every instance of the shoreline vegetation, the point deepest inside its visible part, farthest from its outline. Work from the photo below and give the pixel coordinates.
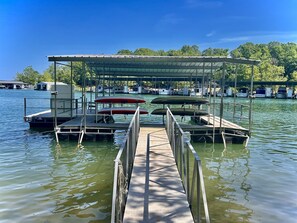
(278, 63)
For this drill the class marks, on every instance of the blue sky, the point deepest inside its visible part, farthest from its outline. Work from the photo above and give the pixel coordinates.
(30, 30)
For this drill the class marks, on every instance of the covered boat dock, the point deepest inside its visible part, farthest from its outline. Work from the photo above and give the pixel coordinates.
(208, 71)
(153, 161)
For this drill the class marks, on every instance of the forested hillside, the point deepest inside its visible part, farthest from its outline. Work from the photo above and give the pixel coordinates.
(278, 62)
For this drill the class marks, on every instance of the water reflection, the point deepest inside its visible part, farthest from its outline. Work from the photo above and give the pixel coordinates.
(41, 181)
(80, 181)
(226, 178)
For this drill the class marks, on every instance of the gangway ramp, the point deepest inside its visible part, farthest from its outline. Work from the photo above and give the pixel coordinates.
(156, 193)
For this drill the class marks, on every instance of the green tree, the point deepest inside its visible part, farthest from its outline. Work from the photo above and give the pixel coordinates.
(29, 75)
(266, 71)
(174, 53)
(290, 59)
(46, 77)
(246, 50)
(277, 52)
(161, 53)
(215, 52)
(125, 52)
(187, 50)
(271, 67)
(294, 76)
(145, 51)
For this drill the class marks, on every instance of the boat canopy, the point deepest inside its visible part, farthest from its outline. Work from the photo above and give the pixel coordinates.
(152, 66)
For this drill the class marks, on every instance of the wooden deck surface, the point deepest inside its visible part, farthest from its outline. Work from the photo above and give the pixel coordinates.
(225, 124)
(156, 193)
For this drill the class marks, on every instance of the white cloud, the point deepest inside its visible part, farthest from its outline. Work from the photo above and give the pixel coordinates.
(263, 37)
(255, 37)
(211, 34)
(234, 39)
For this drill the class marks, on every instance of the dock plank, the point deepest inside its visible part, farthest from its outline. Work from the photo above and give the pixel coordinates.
(156, 193)
(225, 124)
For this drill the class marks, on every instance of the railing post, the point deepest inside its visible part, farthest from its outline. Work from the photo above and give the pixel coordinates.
(115, 191)
(184, 164)
(193, 184)
(188, 172)
(173, 139)
(198, 191)
(202, 186)
(180, 154)
(25, 107)
(127, 153)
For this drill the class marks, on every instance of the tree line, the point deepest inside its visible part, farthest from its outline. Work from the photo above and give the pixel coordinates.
(278, 63)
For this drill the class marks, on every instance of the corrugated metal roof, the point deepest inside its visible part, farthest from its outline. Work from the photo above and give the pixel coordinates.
(152, 66)
(11, 82)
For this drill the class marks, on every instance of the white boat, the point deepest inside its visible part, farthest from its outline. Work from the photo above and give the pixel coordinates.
(184, 91)
(289, 93)
(198, 91)
(260, 92)
(126, 89)
(165, 91)
(229, 92)
(47, 86)
(110, 90)
(220, 93)
(268, 92)
(242, 92)
(281, 93)
(134, 90)
(100, 89)
(118, 90)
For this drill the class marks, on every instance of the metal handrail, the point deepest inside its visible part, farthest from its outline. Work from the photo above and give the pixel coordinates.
(123, 169)
(178, 140)
(32, 109)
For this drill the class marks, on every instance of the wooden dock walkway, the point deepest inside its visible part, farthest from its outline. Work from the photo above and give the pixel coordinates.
(156, 193)
(225, 124)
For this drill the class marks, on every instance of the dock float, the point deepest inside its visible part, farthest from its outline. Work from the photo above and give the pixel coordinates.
(156, 193)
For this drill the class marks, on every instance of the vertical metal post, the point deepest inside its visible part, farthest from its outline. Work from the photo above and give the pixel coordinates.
(103, 80)
(209, 92)
(188, 173)
(222, 96)
(71, 90)
(133, 134)
(251, 100)
(203, 80)
(25, 107)
(198, 191)
(109, 89)
(115, 191)
(213, 111)
(194, 179)
(128, 152)
(85, 112)
(180, 153)
(55, 87)
(184, 164)
(234, 93)
(172, 131)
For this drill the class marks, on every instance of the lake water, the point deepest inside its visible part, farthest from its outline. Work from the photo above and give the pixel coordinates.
(40, 182)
